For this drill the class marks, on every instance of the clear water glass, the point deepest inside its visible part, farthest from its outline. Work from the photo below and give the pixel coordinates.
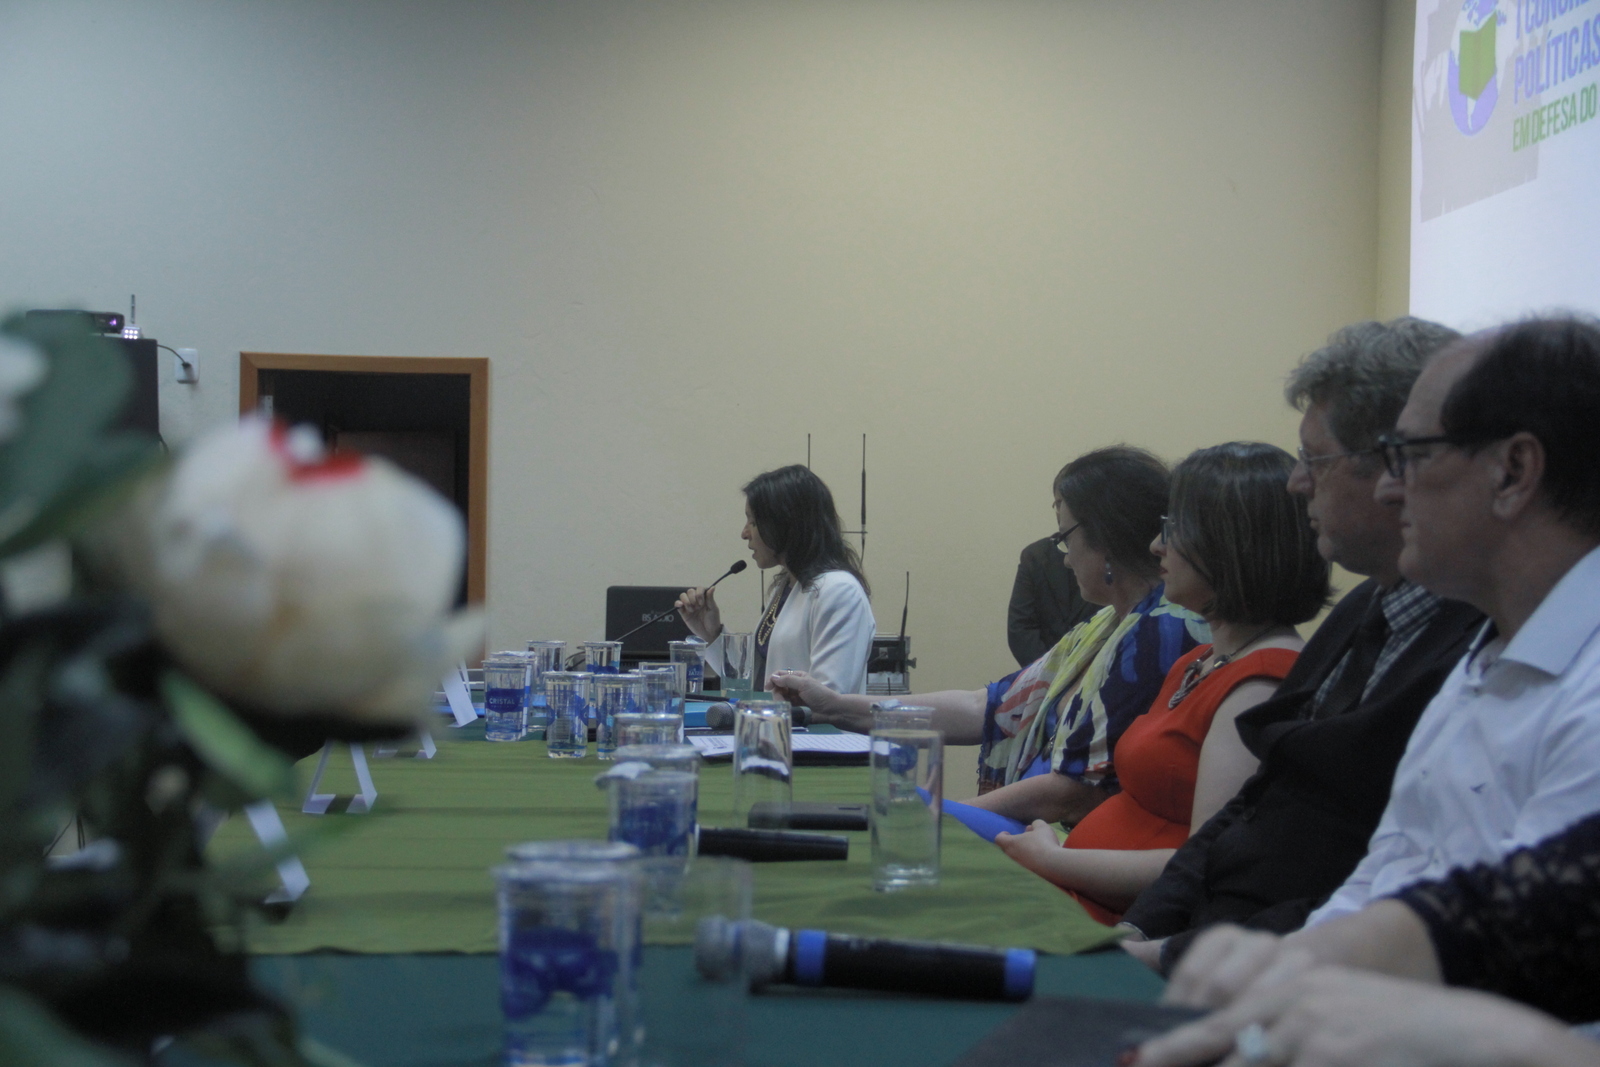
(611, 695)
(763, 757)
(738, 660)
(661, 757)
(664, 687)
(654, 811)
(692, 655)
(567, 736)
(645, 729)
(505, 696)
(569, 918)
(907, 767)
(602, 657)
(544, 656)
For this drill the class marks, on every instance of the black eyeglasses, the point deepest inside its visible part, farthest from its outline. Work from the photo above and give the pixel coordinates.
(1395, 446)
(1061, 538)
(1169, 527)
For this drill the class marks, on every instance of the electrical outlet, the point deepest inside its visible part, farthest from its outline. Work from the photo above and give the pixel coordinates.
(186, 365)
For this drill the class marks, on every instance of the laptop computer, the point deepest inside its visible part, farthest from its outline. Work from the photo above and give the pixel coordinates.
(629, 605)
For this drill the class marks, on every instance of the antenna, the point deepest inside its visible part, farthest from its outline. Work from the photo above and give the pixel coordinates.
(808, 451)
(863, 489)
(906, 608)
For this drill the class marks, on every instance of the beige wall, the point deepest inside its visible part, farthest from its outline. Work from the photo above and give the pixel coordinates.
(1394, 160)
(689, 232)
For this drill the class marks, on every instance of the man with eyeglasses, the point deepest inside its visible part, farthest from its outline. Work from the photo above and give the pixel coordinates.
(1495, 466)
(1330, 738)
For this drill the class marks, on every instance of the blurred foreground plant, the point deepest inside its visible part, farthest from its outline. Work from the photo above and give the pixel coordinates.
(229, 611)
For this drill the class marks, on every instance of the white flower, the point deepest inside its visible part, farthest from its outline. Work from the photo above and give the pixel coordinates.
(21, 369)
(298, 583)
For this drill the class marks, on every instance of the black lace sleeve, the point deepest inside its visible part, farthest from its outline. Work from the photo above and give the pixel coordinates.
(1527, 928)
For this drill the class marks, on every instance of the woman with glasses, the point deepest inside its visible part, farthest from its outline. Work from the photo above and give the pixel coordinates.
(1048, 731)
(1235, 548)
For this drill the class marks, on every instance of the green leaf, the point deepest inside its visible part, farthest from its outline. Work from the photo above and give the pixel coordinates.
(64, 418)
(105, 479)
(30, 1034)
(227, 745)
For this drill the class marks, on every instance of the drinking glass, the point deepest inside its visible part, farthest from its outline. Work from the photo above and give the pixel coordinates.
(738, 659)
(611, 695)
(544, 656)
(654, 811)
(602, 657)
(505, 696)
(763, 759)
(907, 767)
(569, 914)
(661, 757)
(567, 736)
(633, 730)
(692, 655)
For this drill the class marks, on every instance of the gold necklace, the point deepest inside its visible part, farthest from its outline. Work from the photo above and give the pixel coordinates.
(769, 618)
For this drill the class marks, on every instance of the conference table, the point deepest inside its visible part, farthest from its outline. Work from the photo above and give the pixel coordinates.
(389, 957)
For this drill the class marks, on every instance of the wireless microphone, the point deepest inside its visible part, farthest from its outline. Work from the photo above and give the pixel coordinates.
(771, 846)
(769, 954)
(719, 716)
(658, 616)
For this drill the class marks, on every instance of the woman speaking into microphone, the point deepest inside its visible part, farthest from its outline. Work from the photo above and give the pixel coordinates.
(818, 618)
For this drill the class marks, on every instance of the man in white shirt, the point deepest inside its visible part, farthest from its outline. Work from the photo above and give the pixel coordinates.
(1495, 461)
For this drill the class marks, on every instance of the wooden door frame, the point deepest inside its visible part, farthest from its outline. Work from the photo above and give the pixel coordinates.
(477, 371)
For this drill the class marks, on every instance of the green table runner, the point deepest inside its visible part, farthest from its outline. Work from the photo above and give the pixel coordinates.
(414, 876)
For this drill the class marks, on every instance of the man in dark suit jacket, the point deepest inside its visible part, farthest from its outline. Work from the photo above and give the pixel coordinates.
(1045, 602)
(1330, 739)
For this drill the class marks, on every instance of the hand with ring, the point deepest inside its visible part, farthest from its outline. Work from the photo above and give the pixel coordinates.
(1341, 1017)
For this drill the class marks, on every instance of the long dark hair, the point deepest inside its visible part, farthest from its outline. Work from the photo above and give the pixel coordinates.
(796, 518)
(1237, 523)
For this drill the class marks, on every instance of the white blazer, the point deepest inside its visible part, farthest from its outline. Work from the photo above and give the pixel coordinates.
(825, 630)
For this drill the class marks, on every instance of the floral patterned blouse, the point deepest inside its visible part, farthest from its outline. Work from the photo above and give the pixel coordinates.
(1122, 664)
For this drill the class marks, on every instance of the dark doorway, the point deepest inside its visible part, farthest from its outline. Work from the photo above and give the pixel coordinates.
(427, 416)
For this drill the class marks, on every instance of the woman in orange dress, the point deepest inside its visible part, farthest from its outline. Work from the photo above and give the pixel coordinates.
(1236, 548)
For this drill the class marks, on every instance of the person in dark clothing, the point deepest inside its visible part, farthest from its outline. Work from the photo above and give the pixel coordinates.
(1045, 602)
(1330, 739)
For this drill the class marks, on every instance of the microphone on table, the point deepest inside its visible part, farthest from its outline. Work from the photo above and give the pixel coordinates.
(770, 846)
(768, 954)
(719, 716)
(658, 616)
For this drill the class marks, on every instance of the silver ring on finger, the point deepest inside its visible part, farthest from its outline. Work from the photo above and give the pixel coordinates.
(1251, 1045)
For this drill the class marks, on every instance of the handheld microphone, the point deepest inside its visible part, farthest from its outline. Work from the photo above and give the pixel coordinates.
(771, 846)
(719, 716)
(771, 954)
(658, 616)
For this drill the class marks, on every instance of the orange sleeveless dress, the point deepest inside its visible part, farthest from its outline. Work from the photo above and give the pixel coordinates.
(1158, 758)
